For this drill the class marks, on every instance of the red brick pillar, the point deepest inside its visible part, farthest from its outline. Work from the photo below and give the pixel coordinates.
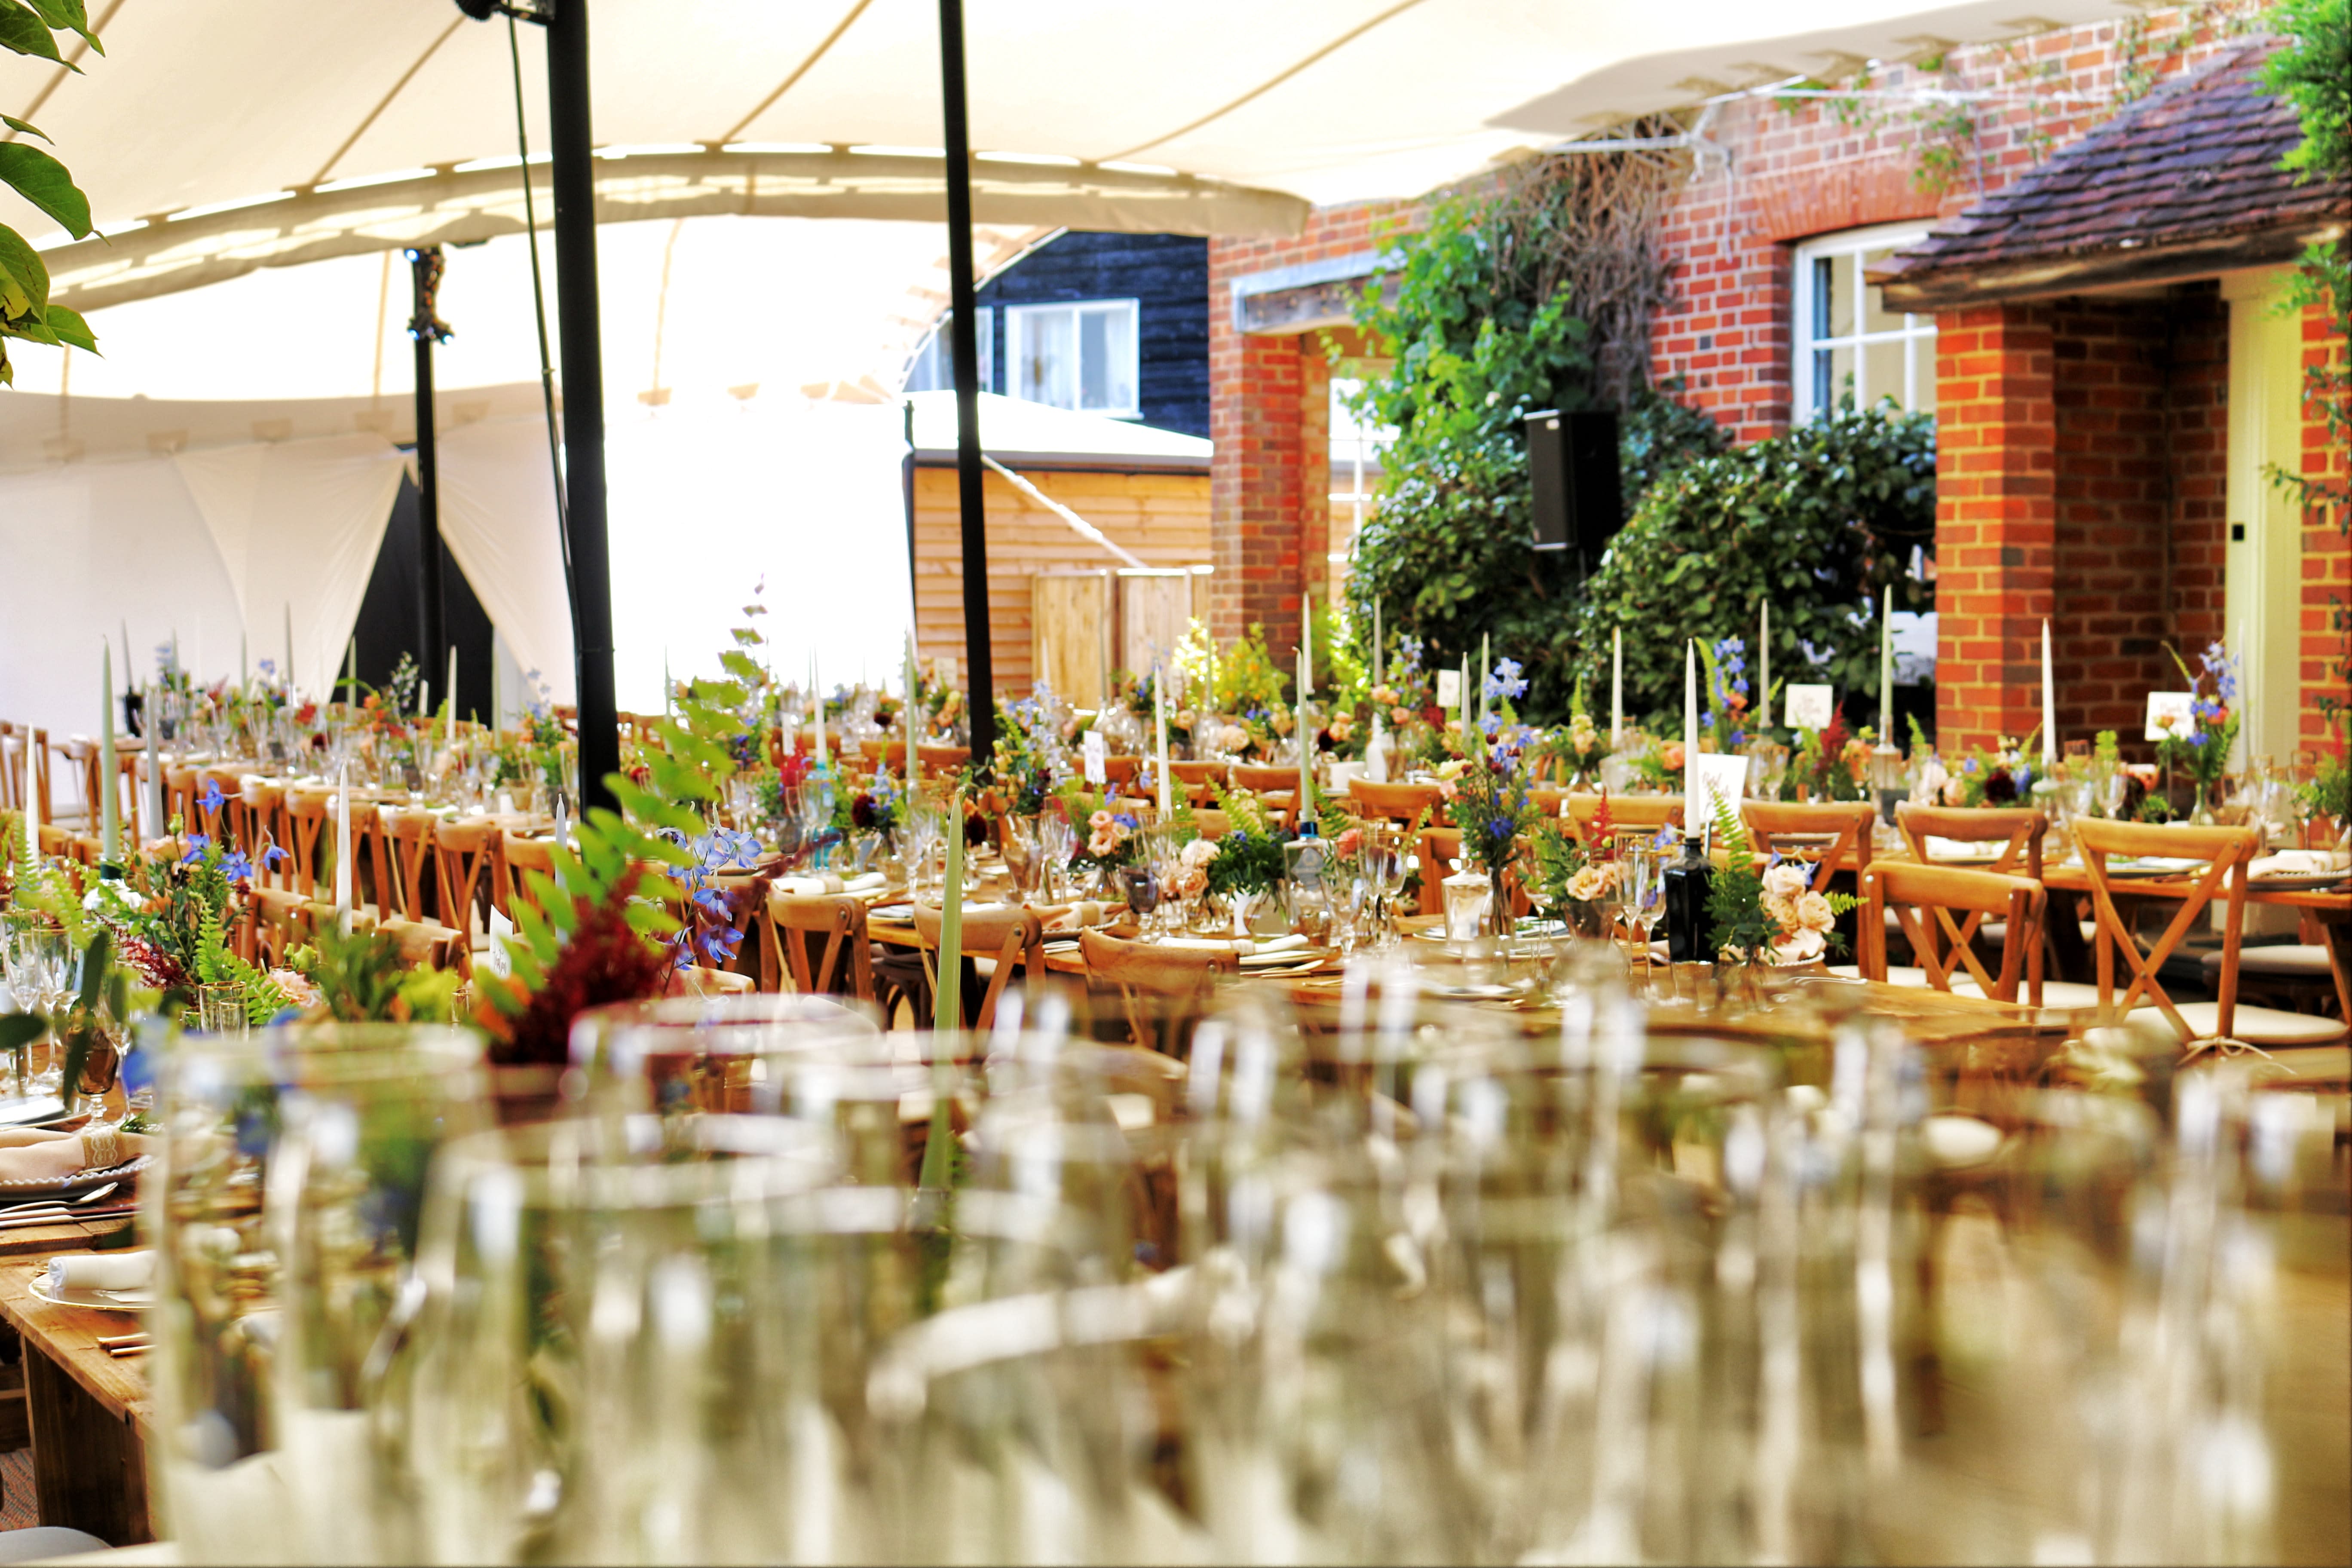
(2325, 656)
(1995, 521)
(1256, 480)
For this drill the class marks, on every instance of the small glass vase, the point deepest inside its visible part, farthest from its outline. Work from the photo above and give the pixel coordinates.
(1470, 901)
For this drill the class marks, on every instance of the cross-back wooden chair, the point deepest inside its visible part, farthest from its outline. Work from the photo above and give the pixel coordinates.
(409, 835)
(2224, 853)
(1643, 813)
(264, 825)
(222, 822)
(791, 924)
(878, 754)
(519, 856)
(1277, 788)
(12, 766)
(465, 854)
(1847, 824)
(37, 763)
(1924, 900)
(310, 836)
(180, 791)
(283, 922)
(371, 851)
(81, 758)
(1162, 989)
(1013, 936)
(1211, 823)
(1439, 848)
(1399, 803)
(2019, 830)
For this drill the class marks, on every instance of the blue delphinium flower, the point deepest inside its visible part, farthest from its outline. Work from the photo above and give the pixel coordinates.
(1408, 654)
(235, 866)
(212, 798)
(1126, 820)
(1505, 680)
(268, 668)
(274, 856)
(197, 844)
(2222, 669)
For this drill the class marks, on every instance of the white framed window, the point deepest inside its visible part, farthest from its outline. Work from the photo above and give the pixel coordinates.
(1356, 451)
(933, 367)
(1081, 356)
(1846, 339)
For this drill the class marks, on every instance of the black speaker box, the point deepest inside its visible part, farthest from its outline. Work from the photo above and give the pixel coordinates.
(1579, 502)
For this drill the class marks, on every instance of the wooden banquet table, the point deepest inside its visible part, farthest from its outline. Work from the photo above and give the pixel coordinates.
(87, 1412)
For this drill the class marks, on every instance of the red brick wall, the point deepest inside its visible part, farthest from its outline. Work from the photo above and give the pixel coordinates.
(1819, 166)
(2326, 557)
(1269, 415)
(2140, 395)
(1996, 513)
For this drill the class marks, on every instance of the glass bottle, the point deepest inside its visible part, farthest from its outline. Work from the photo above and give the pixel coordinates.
(1688, 881)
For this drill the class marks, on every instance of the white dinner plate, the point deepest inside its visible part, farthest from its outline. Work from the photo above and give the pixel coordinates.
(2152, 866)
(80, 1181)
(40, 1108)
(2292, 881)
(104, 1300)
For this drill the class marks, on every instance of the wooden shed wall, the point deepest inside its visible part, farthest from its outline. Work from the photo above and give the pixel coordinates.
(1162, 518)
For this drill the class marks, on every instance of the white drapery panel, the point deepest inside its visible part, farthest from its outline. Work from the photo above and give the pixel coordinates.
(297, 525)
(109, 550)
(710, 499)
(498, 518)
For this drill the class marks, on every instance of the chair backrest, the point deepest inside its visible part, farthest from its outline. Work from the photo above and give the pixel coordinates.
(1846, 824)
(262, 822)
(1163, 989)
(518, 856)
(180, 798)
(1925, 899)
(875, 752)
(2019, 830)
(1646, 813)
(1440, 847)
(939, 760)
(309, 837)
(1117, 771)
(466, 854)
(410, 836)
(1265, 780)
(36, 757)
(1212, 823)
(371, 848)
(12, 767)
(1008, 933)
(1403, 802)
(424, 942)
(791, 924)
(2224, 852)
(283, 922)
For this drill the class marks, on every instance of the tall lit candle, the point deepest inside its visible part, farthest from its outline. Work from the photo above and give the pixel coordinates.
(351, 669)
(449, 697)
(1461, 695)
(1691, 824)
(287, 674)
(109, 783)
(1306, 744)
(1886, 669)
(1764, 668)
(1306, 649)
(1616, 686)
(343, 850)
(153, 760)
(1159, 739)
(1486, 663)
(912, 684)
(243, 666)
(816, 710)
(2049, 707)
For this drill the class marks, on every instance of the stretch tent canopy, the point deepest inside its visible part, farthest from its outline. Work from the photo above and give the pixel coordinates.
(282, 130)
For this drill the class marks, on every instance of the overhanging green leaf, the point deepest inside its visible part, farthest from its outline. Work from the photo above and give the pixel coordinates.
(43, 181)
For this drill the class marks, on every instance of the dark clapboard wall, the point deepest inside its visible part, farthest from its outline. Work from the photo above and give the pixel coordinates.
(1166, 274)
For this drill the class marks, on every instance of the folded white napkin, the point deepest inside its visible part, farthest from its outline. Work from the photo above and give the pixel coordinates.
(1960, 849)
(1282, 943)
(103, 1271)
(807, 887)
(1208, 943)
(2294, 863)
(872, 882)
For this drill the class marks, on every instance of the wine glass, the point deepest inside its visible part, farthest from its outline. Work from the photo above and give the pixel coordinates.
(1056, 842)
(1641, 889)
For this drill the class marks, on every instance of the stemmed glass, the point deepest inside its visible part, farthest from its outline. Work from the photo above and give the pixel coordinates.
(1642, 892)
(1384, 869)
(1056, 842)
(922, 841)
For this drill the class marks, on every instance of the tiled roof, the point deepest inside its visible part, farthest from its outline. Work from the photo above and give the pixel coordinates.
(2195, 161)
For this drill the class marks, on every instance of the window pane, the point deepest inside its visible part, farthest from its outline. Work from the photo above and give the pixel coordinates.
(1923, 373)
(1094, 361)
(986, 323)
(1119, 359)
(1838, 297)
(1824, 287)
(1877, 318)
(1882, 372)
(1047, 372)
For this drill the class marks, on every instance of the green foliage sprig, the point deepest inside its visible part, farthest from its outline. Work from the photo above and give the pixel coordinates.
(1249, 857)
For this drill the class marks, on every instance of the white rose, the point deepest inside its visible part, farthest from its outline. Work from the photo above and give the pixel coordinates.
(1785, 881)
(1813, 912)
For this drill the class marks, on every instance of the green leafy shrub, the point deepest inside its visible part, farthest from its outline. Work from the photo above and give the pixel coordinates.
(1818, 521)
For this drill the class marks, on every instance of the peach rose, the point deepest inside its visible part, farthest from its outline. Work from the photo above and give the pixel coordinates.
(1813, 912)
(1783, 881)
(1671, 754)
(1589, 883)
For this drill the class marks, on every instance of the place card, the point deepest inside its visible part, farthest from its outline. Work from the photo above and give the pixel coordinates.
(1449, 688)
(1724, 775)
(2171, 714)
(1808, 707)
(1096, 758)
(498, 960)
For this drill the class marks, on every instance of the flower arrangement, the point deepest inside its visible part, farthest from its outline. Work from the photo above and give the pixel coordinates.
(1773, 916)
(1248, 858)
(1029, 762)
(1491, 802)
(178, 938)
(1725, 718)
(2202, 748)
(2329, 792)
(1106, 834)
(707, 934)
(2001, 777)
(1831, 763)
(1657, 763)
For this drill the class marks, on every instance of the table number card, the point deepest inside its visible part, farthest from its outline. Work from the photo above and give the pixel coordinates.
(500, 960)
(1722, 774)
(2171, 714)
(1098, 772)
(1449, 688)
(1808, 707)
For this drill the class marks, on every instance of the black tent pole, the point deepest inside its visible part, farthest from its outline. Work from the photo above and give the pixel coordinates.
(572, 151)
(964, 336)
(425, 272)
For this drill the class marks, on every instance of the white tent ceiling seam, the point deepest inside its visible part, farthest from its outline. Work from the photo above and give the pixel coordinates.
(1238, 105)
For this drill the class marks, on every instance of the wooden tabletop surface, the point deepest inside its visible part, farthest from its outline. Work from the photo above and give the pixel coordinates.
(68, 1336)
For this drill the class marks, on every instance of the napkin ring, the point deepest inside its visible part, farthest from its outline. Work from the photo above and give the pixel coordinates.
(102, 1146)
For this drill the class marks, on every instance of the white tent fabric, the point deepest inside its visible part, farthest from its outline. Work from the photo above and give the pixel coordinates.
(499, 519)
(298, 526)
(116, 550)
(711, 499)
(273, 130)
